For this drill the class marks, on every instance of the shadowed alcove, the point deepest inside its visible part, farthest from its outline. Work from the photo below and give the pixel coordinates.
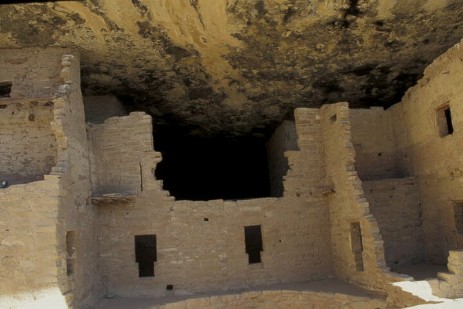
(207, 168)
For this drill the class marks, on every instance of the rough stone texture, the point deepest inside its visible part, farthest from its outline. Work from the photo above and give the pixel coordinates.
(283, 139)
(121, 142)
(450, 284)
(27, 140)
(195, 255)
(377, 156)
(396, 204)
(36, 216)
(241, 66)
(436, 161)
(33, 72)
(348, 206)
(28, 238)
(305, 176)
(329, 222)
(76, 212)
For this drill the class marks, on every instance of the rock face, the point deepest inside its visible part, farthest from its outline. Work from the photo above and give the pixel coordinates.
(241, 66)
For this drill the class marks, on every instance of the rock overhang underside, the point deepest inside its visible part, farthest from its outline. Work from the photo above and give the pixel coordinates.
(240, 67)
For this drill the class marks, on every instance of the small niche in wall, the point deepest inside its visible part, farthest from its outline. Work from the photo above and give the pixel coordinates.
(444, 121)
(145, 254)
(458, 215)
(253, 242)
(70, 252)
(333, 118)
(5, 89)
(357, 245)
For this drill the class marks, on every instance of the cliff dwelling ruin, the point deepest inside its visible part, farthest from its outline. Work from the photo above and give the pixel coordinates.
(231, 154)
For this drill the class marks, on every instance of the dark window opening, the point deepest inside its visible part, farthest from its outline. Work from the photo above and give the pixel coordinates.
(357, 245)
(5, 89)
(253, 242)
(145, 254)
(444, 121)
(204, 168)
(458, 215)
(70, 252)
(448, 118)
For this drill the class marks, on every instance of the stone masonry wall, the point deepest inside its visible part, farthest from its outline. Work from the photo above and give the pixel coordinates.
(450, 284)
(37, 216)
(395, 203)
(375, 150)
(284, 139)
(76, 213)
(121, 142)
(34, 72)
(357, 245)
(201, 246)
(306, 174)
(436, 158)
(47, 211)
(28, 243)
(27, 143)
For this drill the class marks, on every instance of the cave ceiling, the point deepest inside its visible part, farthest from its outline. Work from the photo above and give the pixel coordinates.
(241, 66)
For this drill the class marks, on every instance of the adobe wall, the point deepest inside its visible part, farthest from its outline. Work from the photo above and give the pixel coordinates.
(28, 145)
(436, 160)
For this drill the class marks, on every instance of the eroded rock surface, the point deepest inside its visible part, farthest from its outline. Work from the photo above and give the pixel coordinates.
(241, 66)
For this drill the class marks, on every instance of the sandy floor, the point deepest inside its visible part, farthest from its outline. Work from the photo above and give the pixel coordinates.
(328, 285)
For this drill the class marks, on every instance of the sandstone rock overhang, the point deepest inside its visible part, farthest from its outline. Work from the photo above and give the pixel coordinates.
(240, 66)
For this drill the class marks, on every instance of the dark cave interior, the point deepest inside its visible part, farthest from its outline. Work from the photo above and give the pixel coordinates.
(207, 168)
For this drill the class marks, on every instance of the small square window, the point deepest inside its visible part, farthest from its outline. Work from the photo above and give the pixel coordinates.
(444, 121)
(5, 89)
